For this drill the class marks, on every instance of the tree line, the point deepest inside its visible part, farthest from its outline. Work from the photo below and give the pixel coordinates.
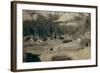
(49, 27)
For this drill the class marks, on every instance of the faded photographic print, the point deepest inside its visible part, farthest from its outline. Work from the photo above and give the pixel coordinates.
(56, 35)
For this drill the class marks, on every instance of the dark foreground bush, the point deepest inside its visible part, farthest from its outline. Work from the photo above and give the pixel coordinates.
(29, 57)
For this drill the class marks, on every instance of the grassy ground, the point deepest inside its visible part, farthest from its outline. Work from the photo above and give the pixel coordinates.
(74, 55)
(45, 54)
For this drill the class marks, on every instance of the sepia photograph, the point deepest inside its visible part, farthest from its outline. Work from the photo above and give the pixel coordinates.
(56, 36)
(47, 36)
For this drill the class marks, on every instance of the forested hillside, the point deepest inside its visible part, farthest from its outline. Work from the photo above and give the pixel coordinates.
(46, 24)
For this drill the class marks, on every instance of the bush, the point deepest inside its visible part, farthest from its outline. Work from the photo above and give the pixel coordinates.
(85, 42)
(61, 37)
(44, 39)
(35, 39)
(29, 57)
(61, 58)
(66, 41)
(27, 38)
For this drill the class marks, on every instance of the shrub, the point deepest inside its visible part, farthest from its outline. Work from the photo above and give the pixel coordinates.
(44, 39)
(66, 41)
(85, 42)
(61, 58)
(35, 39)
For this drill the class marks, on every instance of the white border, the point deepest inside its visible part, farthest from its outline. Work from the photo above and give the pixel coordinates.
(21, 65)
